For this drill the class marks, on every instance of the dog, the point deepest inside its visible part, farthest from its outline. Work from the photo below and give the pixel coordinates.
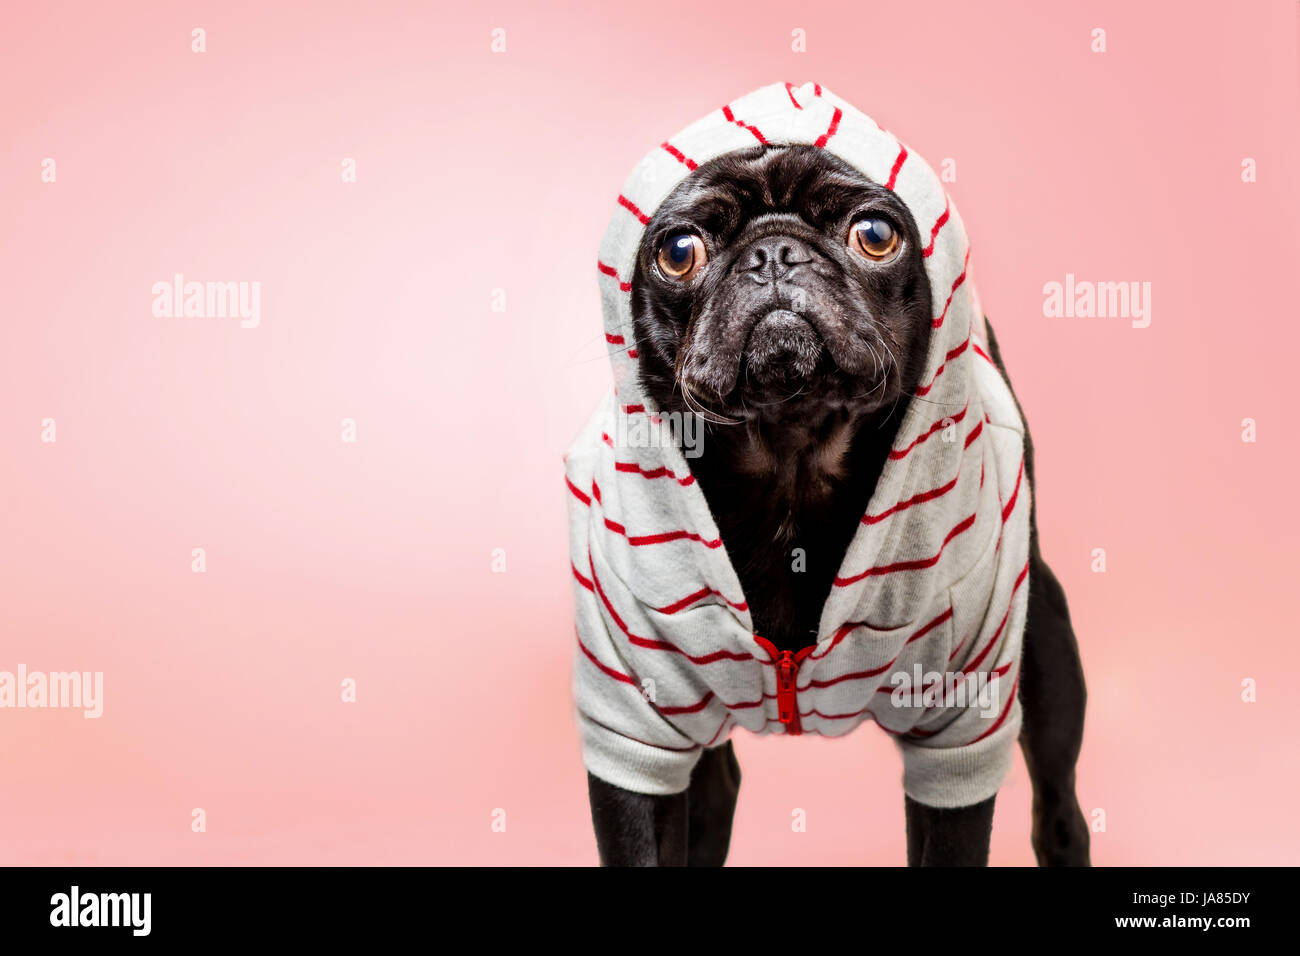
(781, 297)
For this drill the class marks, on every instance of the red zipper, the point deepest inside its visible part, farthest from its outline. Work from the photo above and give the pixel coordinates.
(787, 682)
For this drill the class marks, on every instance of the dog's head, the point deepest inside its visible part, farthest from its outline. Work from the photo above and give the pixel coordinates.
(779, 279)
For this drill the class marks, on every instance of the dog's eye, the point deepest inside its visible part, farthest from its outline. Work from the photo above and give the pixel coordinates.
(681, 255)
(875, 238)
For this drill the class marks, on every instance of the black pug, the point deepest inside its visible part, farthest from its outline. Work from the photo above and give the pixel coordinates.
(786, 247)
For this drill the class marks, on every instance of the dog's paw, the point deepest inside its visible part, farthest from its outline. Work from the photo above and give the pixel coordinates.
(1060, 835)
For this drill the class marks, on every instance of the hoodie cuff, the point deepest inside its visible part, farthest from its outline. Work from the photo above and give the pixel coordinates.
(958, 776)
(634, 765)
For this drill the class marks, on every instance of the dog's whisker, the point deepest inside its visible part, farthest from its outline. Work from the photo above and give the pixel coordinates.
(698, 407)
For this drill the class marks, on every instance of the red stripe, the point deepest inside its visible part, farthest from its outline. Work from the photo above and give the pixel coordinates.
(692, 598)
(979, 658)
(605, 668)
(681, 157)
(955, 650)
(577, 492)
(633, 409)
(898, 164)
(731, 118)
(897, 454)
(930, 495)
(582, 579)
(647, 642)
(997, 672)
(702, 659)
(1005, 710)
(1011, 502)
(917, 564)
(955, 283)
(830, 130)
(604, 598)
(931, 626)
(952, 354)
(640, 540)
(859, 675)
(614, 339)
(631, 207)
(817, 713)
(1000, 672)
(790, 90)
(848, 628)
(694, 708)
(817, 89)
(703, 702)
(611, 271)
(661, 472)
(725, 720)
(914, 500)
(934, 231)
(984, 355)
(742, 704)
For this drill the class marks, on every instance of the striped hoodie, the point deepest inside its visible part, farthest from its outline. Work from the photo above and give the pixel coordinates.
(922, 630)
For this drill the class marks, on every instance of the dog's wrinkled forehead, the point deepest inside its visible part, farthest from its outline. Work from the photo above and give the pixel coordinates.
(724, 195)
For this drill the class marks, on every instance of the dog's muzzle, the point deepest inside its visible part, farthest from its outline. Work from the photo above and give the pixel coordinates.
(783, 349)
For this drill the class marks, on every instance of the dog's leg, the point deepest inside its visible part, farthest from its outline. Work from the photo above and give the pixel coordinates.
(637, 829)
(711, 806)
(692, 828)
(955, 837)
(1052, 694)
(1052, 698)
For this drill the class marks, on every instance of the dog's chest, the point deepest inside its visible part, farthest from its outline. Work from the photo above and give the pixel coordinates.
(787, 526)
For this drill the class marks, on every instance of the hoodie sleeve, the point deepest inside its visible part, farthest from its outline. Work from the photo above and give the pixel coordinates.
(625, 740)
(959, 755)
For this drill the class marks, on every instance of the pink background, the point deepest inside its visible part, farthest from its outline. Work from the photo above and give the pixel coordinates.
(478, 171)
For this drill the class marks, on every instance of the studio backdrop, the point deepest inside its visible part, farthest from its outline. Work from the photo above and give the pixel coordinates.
(302, 309)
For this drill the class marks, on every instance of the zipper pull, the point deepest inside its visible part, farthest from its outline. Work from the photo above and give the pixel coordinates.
(787, 671)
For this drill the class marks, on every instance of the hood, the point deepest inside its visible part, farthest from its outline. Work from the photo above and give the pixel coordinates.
(783, 114)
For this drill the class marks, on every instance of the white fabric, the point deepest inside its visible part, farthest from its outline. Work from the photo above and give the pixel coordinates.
(667, 663)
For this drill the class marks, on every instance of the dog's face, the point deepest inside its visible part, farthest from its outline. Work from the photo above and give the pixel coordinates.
(777, 280)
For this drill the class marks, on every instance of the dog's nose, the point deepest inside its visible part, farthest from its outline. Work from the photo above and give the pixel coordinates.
(775, 256)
